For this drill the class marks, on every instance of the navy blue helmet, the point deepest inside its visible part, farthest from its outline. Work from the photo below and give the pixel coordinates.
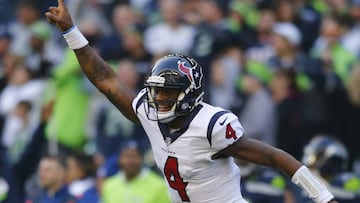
(178, 72)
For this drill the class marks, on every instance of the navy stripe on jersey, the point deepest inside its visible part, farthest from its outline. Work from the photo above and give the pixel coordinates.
(166, 132)
(212, 123)
(140, 101)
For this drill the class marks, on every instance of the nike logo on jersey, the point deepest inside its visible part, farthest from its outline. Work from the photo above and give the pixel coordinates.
(222, 123)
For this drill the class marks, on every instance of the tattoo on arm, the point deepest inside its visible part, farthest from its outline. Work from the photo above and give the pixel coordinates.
(106, 80)
(95, 68)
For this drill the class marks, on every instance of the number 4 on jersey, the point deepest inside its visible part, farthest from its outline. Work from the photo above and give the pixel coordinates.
(230, 132)
(171, 171)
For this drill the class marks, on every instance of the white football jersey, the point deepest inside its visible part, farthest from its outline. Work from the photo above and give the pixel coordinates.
(184, 156)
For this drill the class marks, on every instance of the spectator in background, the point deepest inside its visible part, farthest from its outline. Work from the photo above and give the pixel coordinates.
(81, 177)
(5, 62)
(328, 46)
(241, 20)
(261, 50)
(26, 14)
(159, 38)
(92, 31)
(306, 73)
(40, 58)
(134, 50)
(329, 94)
(258, 114)
(20, 117)
(25, 166)
(123, 18)
(350, 119)
(350, 39)
(71, 109)
(190, 12)
(224, 73)
(284, 11)
(337, 8)
(82, 9)
(52, 176)
(5, 40)
(113, 128)
(22, 86)
(17, 130)
(308, 20)
(10, 61)
(211, 32)
(287, 98)
(286, 39)
(134, 183)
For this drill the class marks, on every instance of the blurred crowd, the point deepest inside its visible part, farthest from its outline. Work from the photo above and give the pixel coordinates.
(290, 69)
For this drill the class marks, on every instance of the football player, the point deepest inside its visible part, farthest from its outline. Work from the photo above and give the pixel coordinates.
(328, 158)
(193, 142)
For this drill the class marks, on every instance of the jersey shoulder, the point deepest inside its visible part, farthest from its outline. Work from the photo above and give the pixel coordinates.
(138, 100)
(224, 127)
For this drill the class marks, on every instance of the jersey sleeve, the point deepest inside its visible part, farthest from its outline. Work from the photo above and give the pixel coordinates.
(138, 100)
(226, 131)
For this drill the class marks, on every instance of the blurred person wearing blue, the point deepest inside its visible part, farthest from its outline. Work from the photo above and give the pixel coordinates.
(16, 175)
(52, 174)
(81, 177)
(5, 41)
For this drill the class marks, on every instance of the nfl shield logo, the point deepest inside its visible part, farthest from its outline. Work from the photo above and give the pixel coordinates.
(168, 141)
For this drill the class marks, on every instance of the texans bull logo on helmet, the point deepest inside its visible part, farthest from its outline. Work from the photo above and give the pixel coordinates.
(194, 73)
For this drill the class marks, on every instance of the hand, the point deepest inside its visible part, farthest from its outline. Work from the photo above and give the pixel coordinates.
(59, 16)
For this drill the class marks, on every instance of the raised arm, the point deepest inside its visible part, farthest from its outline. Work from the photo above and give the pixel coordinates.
(94, 67)
(264, 154)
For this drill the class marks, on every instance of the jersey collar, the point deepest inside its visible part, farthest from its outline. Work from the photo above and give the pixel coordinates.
(170, 137)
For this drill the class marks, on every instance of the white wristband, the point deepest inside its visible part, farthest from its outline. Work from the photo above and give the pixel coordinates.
(74, 38)
(312, 185)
